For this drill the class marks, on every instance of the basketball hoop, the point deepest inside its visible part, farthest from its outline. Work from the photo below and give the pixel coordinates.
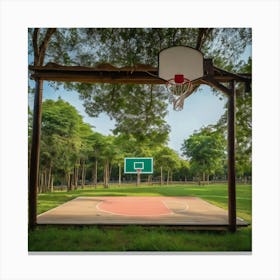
(138, 176)
(185, 65)
(179, 89)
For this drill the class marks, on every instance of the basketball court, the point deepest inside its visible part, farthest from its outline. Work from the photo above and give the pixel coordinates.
(159, 210)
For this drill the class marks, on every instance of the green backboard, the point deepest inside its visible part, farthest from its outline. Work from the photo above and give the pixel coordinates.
(131, 165)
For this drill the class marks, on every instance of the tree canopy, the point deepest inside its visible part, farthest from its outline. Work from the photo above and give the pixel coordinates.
(206, 151)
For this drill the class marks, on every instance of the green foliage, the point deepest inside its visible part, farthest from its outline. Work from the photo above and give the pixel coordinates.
(130, 46)
(166, 158)
(206, 150)
(60, 118)
(138, 110)
(61, 142)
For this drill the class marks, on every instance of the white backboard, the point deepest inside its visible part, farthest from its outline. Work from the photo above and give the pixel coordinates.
(180, 60)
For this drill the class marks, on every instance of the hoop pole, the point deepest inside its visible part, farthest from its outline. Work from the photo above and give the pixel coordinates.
(231, 159)
(138, 177)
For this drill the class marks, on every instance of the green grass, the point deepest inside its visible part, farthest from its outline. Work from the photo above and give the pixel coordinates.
(137, 238)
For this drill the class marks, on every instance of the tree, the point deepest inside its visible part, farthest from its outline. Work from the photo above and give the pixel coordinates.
(96, 143)
(206, 150)
(61, 142)
(166, 160)
(85, 133)
(183, 172)
(109, 153)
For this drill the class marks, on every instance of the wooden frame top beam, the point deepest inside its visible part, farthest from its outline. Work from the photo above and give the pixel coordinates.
(107, 73)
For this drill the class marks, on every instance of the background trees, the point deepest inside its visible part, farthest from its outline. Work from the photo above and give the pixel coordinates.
(206, 150)
(73, 154)
(61, 142)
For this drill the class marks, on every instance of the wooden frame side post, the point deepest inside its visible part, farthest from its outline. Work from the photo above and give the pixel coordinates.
(35, 155)
(231, 159)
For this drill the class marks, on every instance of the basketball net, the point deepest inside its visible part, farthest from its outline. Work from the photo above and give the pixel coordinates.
(179, 89)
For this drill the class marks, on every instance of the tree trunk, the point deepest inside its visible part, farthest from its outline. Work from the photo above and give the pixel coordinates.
(45, 181)
(110, 167)
(120, 174)
(51, 183)
(42, 182)
(167, 179)
(95, 173)
(72, 181)
(76, 175)
(40, 185)
(161, 181)
(83, 175)
(69, 183)
(49, 177)
(106, 174)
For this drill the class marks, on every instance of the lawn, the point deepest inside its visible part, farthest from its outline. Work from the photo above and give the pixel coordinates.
(137, 238)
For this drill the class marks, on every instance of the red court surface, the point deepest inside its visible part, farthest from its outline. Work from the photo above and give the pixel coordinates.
(158, 210)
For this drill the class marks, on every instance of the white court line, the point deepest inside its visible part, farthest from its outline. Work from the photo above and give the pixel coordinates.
(223, 196)
(186, 206)
(55, 208)
(126, 215)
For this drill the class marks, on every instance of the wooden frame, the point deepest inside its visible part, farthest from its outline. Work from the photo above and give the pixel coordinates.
(139, 74)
